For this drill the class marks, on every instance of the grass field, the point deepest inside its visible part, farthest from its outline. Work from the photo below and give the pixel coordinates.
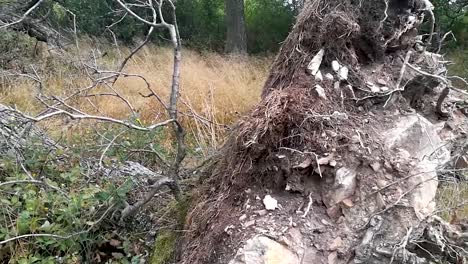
(217, 88)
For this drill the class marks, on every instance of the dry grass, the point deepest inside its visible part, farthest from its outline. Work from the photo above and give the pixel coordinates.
(452, 201)
(216, 87)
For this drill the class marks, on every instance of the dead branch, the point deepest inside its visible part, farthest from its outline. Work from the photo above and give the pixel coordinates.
(40, 235)
(33, 182)
(308, 206)
(130, 210)
(429, 7)
(135, 51)
(23, 17)
(81, 115)
(443, 39)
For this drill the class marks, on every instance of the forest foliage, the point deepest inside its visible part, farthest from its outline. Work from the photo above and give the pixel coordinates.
(202, 24)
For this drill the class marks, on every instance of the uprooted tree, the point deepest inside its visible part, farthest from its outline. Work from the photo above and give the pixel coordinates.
(342, 139)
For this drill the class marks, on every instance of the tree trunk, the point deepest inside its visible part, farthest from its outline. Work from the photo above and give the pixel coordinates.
(236, 40)
(35, 28)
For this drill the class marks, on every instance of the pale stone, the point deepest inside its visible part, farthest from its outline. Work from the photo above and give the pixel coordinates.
(263, 250)
(315, 63)
(318, 76)
(345, 184)
(333, 258)
(335, 244)
(270, 203)
(348, 203)
(320, 91)
(336, 86)
(425, 185)
(336, 66)
(343, 73)
(417, 136)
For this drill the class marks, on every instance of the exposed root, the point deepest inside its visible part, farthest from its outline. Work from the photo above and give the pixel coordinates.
(294, 125)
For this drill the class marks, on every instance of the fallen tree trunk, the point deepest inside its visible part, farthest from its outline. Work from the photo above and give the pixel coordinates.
(347, 140)
(13, 16)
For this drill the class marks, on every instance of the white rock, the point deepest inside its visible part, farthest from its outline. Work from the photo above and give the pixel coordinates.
(382, 82)
(270, 202)
(375, 89)
(425, 183)
(318, 76)
(336, 66)
(339, 115)
(329, 76)
(336, 86)
(343, 73)
(320, 92)
(263, 250)
(249, 223)
(315, 63)
(345, 184)
(351, 91)
(419, 137)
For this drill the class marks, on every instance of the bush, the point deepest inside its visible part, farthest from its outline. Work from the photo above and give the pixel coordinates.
(66, 216)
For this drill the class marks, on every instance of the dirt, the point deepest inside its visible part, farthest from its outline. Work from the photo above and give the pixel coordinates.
(305, 132)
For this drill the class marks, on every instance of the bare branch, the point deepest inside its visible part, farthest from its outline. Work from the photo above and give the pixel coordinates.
(135, 15)
(41, 235)
(32, 182)
(94, 117)
(29, 11)
(165, 181)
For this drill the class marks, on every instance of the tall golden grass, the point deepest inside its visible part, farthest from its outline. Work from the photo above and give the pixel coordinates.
(216, 88)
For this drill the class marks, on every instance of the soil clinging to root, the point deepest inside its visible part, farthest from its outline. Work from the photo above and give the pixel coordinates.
(308, 129)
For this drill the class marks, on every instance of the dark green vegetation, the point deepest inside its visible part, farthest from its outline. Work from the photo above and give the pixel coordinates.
(71, 213)
(201, 22)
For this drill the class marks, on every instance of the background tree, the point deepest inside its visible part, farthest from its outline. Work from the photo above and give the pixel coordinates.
(236, 39)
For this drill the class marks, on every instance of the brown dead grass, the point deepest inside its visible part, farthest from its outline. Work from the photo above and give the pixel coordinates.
(216, 87)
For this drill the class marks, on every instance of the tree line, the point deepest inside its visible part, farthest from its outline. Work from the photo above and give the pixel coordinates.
(244, 26)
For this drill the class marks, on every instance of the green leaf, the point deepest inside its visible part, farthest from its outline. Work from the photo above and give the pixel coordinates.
(31, 205)
(23, 222)
(14, 200)
(5, 201)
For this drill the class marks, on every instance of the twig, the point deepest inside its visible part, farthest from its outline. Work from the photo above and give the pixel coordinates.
(385, 16)
(443, 39)
(400, 78)
(308, 206)
(164, 181)
(107, 148)
(429, 8)
(402, 245)
(41, 235)
(134, 51)
(82, 115)
(29, 11)
(33, 182)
